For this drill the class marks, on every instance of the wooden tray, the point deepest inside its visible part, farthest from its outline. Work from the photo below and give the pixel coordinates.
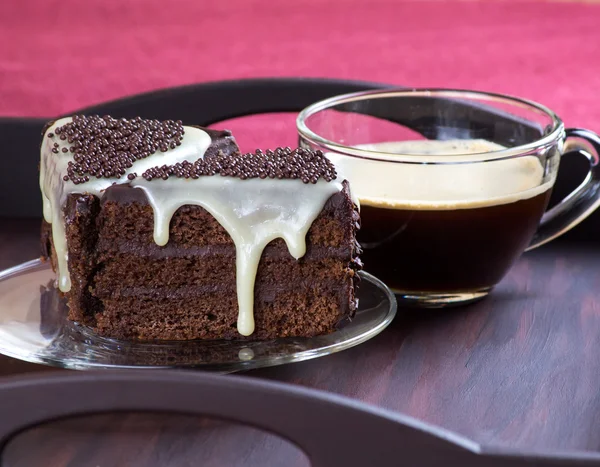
(517, 370)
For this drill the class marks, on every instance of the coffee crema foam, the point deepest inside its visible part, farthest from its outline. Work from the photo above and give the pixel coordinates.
(426, 186)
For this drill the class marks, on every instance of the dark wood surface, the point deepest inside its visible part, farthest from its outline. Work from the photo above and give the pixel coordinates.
(520, 368)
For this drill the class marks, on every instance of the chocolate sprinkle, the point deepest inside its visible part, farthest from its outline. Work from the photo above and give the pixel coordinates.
(104, 147)
(304, 164)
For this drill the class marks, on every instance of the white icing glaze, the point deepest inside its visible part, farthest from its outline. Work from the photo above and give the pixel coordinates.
(254, 212)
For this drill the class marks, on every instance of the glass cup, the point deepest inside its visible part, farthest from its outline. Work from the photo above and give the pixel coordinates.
(453, 185)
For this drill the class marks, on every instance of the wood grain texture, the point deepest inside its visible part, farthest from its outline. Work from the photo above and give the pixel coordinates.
(520, 368)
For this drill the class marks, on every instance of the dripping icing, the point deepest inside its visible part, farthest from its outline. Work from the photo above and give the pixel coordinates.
(254, 211)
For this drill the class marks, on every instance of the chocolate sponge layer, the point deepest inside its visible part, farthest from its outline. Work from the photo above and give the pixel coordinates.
(125, 286)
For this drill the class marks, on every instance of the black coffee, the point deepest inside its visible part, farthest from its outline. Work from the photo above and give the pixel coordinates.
(443, 251)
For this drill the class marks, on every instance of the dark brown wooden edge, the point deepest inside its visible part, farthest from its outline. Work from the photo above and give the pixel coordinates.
(331, 430)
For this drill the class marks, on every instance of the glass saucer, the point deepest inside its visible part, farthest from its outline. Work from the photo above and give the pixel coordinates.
(34, 328)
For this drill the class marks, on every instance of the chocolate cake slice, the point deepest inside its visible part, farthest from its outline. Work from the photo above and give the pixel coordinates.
(160, 231)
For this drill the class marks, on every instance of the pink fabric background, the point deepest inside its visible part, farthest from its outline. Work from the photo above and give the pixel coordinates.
(57, 56)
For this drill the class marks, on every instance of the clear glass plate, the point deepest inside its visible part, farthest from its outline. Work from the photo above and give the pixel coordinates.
(34, 327)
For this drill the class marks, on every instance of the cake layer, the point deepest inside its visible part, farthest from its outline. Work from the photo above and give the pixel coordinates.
(126, 215)
(309, 313)
(124, 271)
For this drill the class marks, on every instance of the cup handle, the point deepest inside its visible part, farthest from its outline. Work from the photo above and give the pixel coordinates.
(583, 200)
